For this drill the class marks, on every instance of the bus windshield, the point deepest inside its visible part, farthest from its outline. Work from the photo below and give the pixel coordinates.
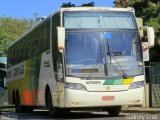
(90, 52)
(103, 20)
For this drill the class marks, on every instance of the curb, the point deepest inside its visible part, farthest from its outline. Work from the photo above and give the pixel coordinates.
(141, 110)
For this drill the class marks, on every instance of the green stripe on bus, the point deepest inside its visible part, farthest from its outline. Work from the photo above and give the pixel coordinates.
(118, 82)
(108, 82)
(35, 71)
(113, 82)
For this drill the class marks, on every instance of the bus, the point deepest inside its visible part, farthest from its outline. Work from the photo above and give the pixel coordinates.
(78, 58)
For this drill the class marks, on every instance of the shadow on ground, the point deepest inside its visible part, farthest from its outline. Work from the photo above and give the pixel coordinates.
(43, 115)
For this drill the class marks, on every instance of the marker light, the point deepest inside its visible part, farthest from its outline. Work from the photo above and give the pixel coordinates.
(136, 85)
(75, 86)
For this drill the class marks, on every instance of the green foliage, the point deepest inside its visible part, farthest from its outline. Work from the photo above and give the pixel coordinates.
(155, 1)
(4, 97)
(69, 4)
(10, 30)
(154, 22)
(121, 3)
(88, 4)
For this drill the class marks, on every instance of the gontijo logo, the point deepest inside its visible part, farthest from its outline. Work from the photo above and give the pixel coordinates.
(93, 82)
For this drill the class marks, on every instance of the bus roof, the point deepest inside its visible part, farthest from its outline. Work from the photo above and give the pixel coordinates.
(129, 9)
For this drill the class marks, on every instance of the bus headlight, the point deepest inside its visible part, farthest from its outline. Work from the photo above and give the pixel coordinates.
(75, 86)
(136, 85)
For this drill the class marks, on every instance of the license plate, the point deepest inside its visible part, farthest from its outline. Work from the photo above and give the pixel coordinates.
(108, 98)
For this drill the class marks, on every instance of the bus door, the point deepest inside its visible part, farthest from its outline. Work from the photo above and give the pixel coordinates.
(59, 76)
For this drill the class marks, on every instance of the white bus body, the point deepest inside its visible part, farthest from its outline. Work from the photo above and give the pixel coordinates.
(93, 60)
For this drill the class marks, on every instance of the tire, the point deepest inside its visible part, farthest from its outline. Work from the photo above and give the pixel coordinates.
(13, 97)
(18, 107)
(64, 111)
(52, 110)
(27, 109)
(114, 111)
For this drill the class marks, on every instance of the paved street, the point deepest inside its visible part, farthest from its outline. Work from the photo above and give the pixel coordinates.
(43, 115)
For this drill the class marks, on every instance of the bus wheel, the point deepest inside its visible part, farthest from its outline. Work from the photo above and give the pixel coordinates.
(18, 107)
(13, 97)
(52, 110)
(27, 109)
(114, 111)
(65, 111)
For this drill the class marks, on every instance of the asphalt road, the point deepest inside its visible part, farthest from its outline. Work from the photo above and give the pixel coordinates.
(43, 115)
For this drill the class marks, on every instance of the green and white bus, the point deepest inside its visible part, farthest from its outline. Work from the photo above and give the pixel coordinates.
(78, 58)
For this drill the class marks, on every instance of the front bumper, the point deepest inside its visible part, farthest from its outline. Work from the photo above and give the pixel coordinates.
(80, 98)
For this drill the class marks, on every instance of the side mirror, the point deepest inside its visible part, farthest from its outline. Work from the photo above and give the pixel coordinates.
(150, 36)
(61, 38)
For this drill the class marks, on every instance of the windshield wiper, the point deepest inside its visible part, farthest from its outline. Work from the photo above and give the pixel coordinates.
(124, 75)
(99, 57)
(94, 66)
(102, 55)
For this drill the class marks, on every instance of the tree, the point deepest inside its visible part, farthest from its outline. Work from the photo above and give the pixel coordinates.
(91, 4)
(10, 30)
(121, 3)
(69, 4)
